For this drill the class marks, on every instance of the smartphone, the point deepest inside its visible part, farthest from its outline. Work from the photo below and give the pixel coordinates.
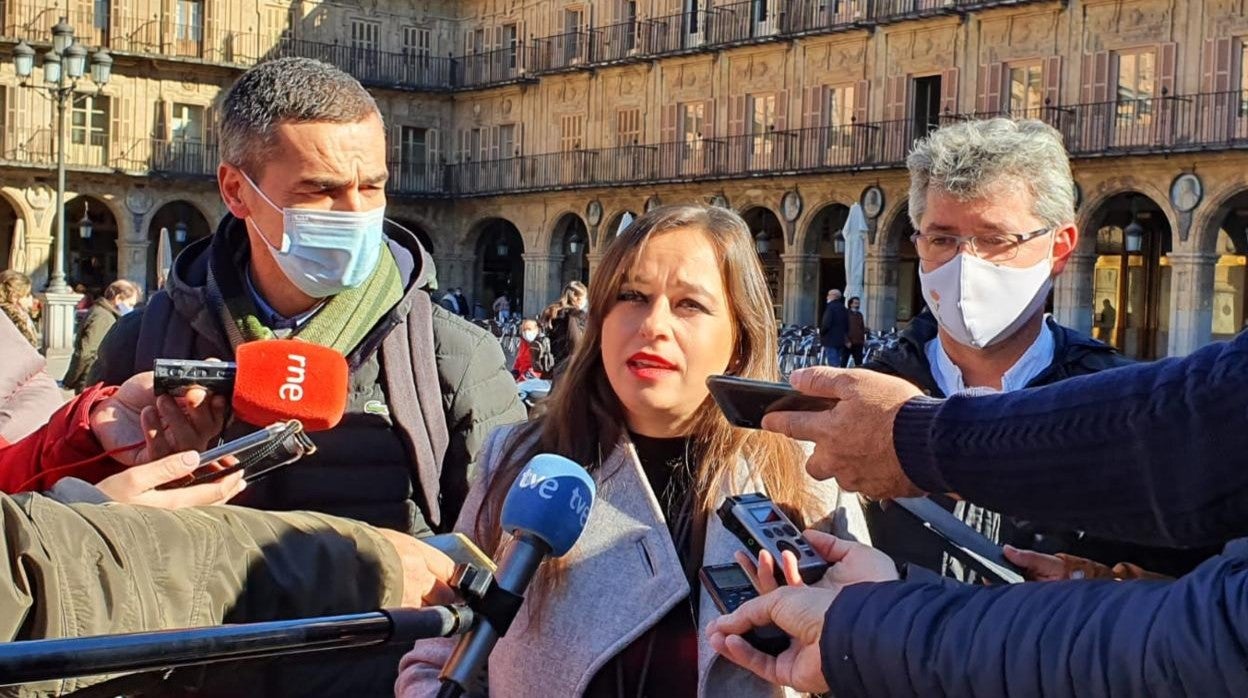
(760, 525)
(259, 453)
(729, 587)
(461, 550)
(745, 401)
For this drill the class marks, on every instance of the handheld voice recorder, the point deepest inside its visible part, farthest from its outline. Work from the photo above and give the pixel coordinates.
(759, 524)
(729, 587)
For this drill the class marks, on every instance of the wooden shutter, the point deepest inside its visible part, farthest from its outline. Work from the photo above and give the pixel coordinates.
(949, 91)
(813, 105)
(668, 123)
(467, 42)
(895, 98)
(708, 119)
(1219, 64)
(782, 110)
(433, 147)
(495, 143)
(862, 102)
(160, 121)
(991, 81)
(1053, 81)
(736, 115)
(1096, 77)
(520, 138)
(122, 136)
(396, 145)
(212, 43)
(1168, 54)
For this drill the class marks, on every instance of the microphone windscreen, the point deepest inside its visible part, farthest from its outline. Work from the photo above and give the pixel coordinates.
(281, 379)
(550, 499)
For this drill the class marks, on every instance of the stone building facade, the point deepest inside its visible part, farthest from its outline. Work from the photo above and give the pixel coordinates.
(522, 131)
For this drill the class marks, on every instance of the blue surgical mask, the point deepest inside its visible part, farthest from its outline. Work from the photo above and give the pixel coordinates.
(124, 308)
(324, 253)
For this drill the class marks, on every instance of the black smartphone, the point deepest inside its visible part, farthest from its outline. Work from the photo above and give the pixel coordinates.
(968, 546)
(729, 587)
(760, 525)
(745, 401)
(259, 453)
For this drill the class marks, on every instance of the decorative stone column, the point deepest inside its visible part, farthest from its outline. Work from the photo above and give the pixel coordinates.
(1191, 301)
(132, 244)
(541, 280)
(801, 285)
(455, 270)
(594, 258)
(58, 329)
(879, 302)
(1073, 293)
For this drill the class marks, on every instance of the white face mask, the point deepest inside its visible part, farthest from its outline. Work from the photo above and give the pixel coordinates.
(980, 303)
(529, 335)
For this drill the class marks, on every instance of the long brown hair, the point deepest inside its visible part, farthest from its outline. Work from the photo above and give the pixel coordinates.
(583, 420)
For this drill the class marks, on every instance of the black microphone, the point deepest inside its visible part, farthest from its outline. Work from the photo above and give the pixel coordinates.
(545, 512)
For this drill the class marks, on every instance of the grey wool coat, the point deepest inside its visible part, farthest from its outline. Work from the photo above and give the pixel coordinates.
(620, 579)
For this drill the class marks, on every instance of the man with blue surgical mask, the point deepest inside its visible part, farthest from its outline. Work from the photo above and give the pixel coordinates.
(993, 206)
(307, 252)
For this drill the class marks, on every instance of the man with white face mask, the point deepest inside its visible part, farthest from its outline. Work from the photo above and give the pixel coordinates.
(307, 252)
(993, 205)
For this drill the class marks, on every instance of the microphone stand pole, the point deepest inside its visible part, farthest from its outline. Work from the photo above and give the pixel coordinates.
(48, 660)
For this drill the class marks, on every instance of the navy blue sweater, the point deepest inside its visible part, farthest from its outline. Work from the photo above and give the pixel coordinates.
(1154, 452)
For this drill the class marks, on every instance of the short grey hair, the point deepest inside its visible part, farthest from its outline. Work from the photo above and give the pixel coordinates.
(970, 159)
(296, 90)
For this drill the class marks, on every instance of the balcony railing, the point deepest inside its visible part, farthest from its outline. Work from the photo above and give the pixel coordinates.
(1167, 124)
(373, 67)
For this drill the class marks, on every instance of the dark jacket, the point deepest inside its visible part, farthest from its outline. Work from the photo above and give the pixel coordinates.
(1074, 354)
(1153, 453)
(99, 320)
(566, 328)
(857, 328)
(834, 328)
(426, 388)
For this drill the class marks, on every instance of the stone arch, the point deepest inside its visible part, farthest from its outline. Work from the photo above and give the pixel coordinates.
(185, 222)
(498, 262)
(1094, 202)
(91, 261)
(1209, 216)
(570, 231)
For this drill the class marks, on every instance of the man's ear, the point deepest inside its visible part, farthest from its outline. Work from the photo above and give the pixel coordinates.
(231, 184)
(1064, 241)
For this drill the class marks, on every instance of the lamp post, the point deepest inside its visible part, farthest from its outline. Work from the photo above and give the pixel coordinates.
(63, 66)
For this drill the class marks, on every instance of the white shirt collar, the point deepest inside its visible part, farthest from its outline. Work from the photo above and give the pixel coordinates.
(1032, 363)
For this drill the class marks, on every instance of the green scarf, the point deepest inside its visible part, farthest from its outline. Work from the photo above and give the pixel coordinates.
(341, 323)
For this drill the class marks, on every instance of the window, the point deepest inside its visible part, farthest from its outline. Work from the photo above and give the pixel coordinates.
(629, 15)
(89, 120)
(573, 23)
(627, 127)
(926, 105)
(418, 41)
(511, 44)
(840, 111)
(692, 122)
(508, 148)
(187, 123)
(571, 132)
(1137, 80)
(279, 20)
(365, 34)
(1026, 90)
(190, 20)
(414, 149)
(762, 122)
(1243, 80)
(103, 9)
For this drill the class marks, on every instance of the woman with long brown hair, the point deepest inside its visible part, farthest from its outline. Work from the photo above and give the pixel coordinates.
(16, 301)
(679, 296)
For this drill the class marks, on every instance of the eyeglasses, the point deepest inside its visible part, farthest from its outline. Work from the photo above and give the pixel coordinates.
(1000, 247)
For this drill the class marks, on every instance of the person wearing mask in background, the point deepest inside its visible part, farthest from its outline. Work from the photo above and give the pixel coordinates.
(306, 252)
(834, 329)
(502, 308)
(16, 301)
(993, 203)
(857, 335)
(533, 356)
(679, 296)
(565, 321)
(120, 297)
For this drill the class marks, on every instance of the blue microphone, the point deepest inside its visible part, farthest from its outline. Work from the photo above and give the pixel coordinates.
(545, 512)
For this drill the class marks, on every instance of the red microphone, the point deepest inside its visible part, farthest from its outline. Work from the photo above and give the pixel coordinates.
(271, 380)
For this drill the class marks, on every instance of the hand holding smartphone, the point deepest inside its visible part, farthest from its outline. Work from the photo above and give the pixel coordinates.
(745, 401)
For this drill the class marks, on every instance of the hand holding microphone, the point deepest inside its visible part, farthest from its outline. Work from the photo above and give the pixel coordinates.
(545, 512)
